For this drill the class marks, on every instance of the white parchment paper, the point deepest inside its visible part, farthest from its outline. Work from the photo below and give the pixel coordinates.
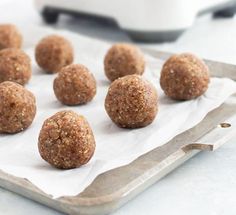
(115, 146)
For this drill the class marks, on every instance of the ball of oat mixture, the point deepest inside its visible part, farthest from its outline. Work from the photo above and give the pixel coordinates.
(131, 102)
(123, 59)
(66, 140)
(54, 52)
(15, 66)
(184, 77)
(17, 107)
(10, 36)
(74, 85)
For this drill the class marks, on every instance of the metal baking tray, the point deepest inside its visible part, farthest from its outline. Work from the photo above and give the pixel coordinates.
(114, 188)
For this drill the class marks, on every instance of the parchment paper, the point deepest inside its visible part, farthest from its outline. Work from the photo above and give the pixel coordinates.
(115, 146)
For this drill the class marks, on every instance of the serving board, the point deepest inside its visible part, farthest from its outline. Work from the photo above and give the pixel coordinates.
(112, 189)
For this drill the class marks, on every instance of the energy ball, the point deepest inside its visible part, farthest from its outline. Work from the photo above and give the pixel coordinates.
(10, 37)
(66, 140)
(17, 107)
(184, 77)
(131, 102)
(74, 85)
(15, 66)
(123, 59)
(54, 52)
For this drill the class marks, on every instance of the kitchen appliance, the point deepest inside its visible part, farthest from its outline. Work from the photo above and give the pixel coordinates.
(146, 20)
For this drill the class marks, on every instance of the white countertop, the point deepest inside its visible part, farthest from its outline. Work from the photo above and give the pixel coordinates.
(204, 185)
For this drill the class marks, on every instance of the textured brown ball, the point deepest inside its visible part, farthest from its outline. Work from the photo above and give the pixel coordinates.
(131, 102)
(54, 52)
(122, 60)
(74, 85)
(10, 37)
(15, 66)
(66, 140)
(17, 107)
(184, 77)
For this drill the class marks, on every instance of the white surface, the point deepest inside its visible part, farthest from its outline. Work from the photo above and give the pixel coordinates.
(204, 185)
(115, 147)
(162, 15)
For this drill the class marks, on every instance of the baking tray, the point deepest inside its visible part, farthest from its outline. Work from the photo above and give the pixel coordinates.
(114, 188)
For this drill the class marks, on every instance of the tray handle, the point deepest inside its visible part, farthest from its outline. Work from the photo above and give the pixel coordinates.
(216, 138)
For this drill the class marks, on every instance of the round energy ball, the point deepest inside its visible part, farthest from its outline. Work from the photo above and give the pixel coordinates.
(131, 102)
(184, 77)
(15, 66)
(66, 140)
(53, 52)
(10, 37)
(123, 59)
(74, 85)
(17, 107)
